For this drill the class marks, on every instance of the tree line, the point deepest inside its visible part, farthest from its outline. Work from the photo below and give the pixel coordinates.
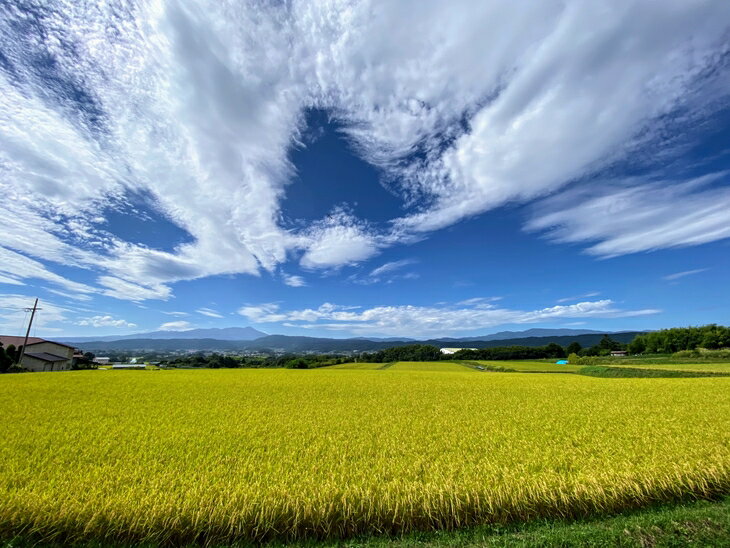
(290, 361)
(676, 339)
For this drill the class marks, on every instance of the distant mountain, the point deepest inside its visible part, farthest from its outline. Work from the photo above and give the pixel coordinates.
(535, 332)
(286, 343)
(218, 333)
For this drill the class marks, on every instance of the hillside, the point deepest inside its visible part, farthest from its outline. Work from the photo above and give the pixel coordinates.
(286, 343)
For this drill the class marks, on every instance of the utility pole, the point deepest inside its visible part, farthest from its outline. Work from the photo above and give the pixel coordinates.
(30, 323)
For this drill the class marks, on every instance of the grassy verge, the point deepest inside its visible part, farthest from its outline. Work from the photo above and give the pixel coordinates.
(628, 372)
(485, 367)
(700, 523)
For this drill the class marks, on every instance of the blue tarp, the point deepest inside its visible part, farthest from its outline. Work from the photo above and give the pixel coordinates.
(562, 362)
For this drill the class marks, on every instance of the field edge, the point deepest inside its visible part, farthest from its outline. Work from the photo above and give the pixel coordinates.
(704, 522)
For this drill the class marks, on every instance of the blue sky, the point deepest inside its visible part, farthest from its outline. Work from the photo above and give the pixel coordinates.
(364, 168)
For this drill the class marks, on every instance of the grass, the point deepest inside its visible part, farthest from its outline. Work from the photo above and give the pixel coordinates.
(709, 367)
(699, 523)
(644, 372)
(358, 365)
(217, 456)
(530, 366)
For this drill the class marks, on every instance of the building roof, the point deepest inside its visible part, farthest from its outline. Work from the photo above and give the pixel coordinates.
(7, 340)
(46, 356)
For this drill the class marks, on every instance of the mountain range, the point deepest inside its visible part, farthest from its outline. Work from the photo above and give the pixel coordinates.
(221, 334)
(209, 340)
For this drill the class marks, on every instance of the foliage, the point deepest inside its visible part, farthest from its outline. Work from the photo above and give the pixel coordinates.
(5, 360)
(211, 457)
(721, 354)
(219, 361)
(297, 363)
(410, 352)
(551, 351)
(644, 372)
(573, 348)
(667, 341)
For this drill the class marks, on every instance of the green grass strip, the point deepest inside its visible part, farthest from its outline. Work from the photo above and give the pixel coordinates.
(629, 372)
(700, 523)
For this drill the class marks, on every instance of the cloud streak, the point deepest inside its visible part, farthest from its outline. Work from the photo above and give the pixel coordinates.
(423, 321)
(465, 108)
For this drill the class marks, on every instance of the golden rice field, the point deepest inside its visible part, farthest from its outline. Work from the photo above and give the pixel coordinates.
(212, 456)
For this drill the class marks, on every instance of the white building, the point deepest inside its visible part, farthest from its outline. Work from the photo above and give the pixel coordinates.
(454, 350)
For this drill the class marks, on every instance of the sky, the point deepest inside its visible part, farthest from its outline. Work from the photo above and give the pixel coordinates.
(364, 168)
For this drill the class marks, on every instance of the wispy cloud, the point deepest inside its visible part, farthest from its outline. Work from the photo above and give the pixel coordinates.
(579, 297)
(678, 275)
(632, 216)
(479, 301)
(213, 125)
(176, 326)
(294, 281)
(387, 273)
(209, 312)
(417, 321)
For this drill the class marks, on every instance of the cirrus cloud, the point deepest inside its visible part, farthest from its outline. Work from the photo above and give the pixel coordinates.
(467, 107)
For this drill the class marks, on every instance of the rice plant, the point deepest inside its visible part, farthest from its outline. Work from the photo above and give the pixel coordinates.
(213, 456)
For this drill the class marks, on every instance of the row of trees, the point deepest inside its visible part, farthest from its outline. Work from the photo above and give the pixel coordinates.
(426, 353)
(291, 361)
(668, 341)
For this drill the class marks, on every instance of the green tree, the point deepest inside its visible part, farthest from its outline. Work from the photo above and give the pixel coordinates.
(554, 350)
(297, 363)
(574, 348)
(5, 360)
(638, 345)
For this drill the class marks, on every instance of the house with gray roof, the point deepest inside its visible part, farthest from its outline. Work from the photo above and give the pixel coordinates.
(41, 354)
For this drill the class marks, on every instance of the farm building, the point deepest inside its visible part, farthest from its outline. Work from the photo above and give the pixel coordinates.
(454, 350)
(619, 353)
(41, 354)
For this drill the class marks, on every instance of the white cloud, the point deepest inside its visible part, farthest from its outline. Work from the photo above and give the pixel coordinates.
(72, 296)
(293, 280)
(629, 217)
(678, 275)
(578, 297)
(175, 313)
(387, 273)
(106, 321)
(14, 318)
(479, 301)
(390, 267)
(15, 266)
(465, 106)
(176, 326)
(10, 280)
(123, 289)
(209, 312)
(337, 240)
(418, 321)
